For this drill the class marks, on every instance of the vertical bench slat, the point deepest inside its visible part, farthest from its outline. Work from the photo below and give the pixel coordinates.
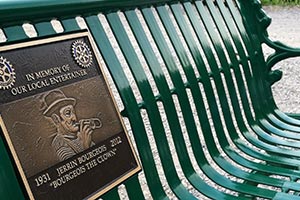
(133, 188)
(194, 89)
(14, 33)
(94, 24)
(263, 92)
(243, 33)
(203, 118)
(236, 69)
(180, 90)
(136, 69)
(179, 48)
(234, 63)
(212, 63)
(183, 156)
(236, 39)
(248, 44)
(150, 106)
(234, 8)
(243, 61)
(182, 109)
(228, 76)
(269, 103)
(70, 25)
(217, 77)
(193, 85)
(129, 100)
(237, 171)
(178, 82)
(221, 129)
(44, 28)
(223, 163)
(225, 68)
(250, 50)
(233, 98)
(278, 142)
(170, 109)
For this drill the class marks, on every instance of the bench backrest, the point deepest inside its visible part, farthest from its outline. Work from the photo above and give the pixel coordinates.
(189, 68)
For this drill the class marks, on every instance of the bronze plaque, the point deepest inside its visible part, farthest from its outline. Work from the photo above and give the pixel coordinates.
(60, 121)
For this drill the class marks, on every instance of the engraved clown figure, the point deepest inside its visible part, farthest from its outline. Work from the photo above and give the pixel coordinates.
(72, 136)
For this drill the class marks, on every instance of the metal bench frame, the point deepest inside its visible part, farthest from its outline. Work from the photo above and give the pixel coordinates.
(220, 96)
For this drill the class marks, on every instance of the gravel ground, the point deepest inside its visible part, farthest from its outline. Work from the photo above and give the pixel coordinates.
(285, 27)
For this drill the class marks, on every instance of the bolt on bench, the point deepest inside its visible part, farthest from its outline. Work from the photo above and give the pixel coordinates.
(196, 90)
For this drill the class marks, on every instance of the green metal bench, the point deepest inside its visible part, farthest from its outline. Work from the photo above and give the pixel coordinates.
(192, 75)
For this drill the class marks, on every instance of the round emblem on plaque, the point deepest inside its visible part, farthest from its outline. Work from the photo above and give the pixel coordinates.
(7, 74)
(82, 54)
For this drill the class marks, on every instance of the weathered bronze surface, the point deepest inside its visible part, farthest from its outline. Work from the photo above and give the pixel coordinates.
(60, 121)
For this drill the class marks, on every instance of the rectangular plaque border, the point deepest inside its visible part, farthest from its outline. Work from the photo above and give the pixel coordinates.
(16, 160)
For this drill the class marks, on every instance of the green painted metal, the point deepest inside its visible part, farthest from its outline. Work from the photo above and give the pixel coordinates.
(166, 96)
(13, 12)
(70, 25)
(211, 52)
(44, 28)
(131, 111)
(14, 33)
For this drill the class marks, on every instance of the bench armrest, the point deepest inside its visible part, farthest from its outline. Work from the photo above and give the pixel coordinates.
(282, 51)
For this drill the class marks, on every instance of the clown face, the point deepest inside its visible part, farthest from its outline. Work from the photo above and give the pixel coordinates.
(69, 119)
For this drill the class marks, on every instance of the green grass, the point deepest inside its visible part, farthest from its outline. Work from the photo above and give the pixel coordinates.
(280, 2)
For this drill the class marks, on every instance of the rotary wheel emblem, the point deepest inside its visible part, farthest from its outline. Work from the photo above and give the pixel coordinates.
(7, 74)
(82, 54)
